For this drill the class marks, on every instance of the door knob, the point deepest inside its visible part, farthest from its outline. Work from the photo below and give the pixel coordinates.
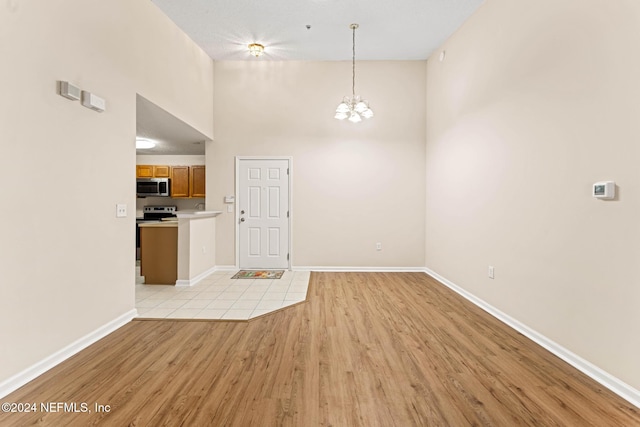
(242, 212)
(241, 219)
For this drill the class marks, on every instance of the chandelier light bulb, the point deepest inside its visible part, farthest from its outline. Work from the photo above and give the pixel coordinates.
(361, 106)
(355, 117)
(342, 108)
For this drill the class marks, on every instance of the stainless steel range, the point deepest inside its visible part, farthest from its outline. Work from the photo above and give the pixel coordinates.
(158, 212)
(153, 214)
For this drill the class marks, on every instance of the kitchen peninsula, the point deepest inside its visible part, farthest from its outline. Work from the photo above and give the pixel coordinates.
(178, 252)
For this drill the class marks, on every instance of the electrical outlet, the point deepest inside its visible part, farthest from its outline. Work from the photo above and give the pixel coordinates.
(378, 246)
(491, 272)
(121, 211)
(204, 249)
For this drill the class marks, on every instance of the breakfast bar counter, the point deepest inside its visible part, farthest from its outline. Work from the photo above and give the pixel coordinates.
(178, 251)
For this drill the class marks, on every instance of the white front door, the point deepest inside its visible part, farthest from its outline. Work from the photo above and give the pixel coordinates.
(263, 213)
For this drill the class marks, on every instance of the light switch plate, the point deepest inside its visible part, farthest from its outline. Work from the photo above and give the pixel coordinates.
(121, 210)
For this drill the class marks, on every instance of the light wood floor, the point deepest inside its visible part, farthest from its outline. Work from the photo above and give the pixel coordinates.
(366, 349)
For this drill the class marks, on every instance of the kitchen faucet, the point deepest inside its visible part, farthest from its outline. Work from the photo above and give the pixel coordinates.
(200, 206)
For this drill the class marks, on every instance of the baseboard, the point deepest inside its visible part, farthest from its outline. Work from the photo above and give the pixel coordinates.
(226, 268)
(193, 281)
(337, 269)
(20, 379)
(359, 269)
(614, 384)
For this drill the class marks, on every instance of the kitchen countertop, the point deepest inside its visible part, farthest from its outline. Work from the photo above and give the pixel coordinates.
(197, 214)
(159, 224)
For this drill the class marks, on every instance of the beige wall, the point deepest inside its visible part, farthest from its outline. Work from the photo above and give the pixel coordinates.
(535, 102)
(66, 262)
(353, 184)
(171, 159)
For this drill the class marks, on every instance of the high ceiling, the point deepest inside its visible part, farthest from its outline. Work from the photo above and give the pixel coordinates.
(389, 29)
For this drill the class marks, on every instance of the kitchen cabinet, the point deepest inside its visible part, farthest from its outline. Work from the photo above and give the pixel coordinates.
(144, 171)
(159, 253)
(188, 181)
(197, 181)
(161, 171)
(180, 181)
(153, 171)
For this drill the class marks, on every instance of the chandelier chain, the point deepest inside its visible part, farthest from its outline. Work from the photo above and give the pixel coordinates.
(353, 107)
(353, 64)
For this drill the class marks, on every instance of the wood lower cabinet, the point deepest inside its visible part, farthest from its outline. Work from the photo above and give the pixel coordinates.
(159, 255)
(188, 181)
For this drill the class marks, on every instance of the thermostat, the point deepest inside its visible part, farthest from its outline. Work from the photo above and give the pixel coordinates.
(229, 199)
(604, 190)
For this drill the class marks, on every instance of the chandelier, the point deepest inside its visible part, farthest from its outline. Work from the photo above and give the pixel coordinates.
(353, 107)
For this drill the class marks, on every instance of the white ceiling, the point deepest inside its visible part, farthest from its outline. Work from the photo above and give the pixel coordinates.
(389, 29)
(172, 135)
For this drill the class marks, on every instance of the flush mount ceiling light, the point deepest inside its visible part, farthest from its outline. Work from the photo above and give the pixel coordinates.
(143, 143)
(256, 49)
(353, 107)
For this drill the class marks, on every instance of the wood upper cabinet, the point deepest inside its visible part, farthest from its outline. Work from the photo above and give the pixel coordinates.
(153, 171)
(180, 181)
(188, 181)
(161, 171)
(144, 171)
(197, 181)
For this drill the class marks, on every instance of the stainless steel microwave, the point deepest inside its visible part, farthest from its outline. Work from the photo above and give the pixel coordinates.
(153, 187)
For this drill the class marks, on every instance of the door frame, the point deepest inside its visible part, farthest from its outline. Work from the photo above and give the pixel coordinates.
(289, 160)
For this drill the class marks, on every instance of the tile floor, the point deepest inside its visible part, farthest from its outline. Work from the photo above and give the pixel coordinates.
(220, 297)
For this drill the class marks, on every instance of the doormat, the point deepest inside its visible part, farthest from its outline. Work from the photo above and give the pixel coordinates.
(258, 274)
